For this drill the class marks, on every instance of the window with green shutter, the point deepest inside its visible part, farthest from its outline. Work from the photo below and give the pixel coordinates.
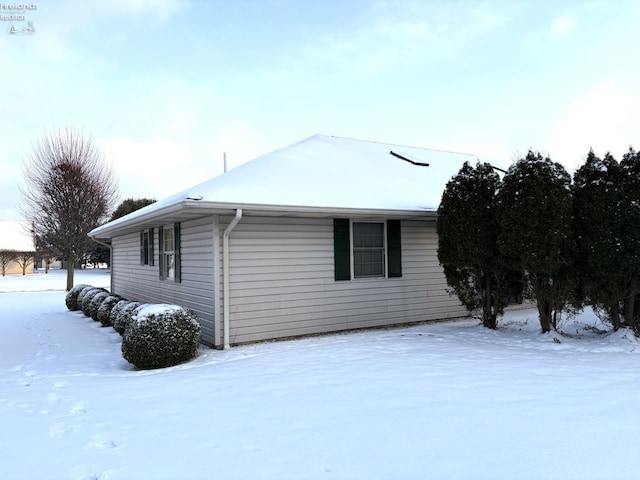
(169, 255)
(368, 249)
(146, 247)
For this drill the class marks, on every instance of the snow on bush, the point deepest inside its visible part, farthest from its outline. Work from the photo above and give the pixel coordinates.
(97, 300)
(82, 294)
(87, 297)
(161, 336)
(104, 310)
(117, 308)
(122, 318)
(71, 300)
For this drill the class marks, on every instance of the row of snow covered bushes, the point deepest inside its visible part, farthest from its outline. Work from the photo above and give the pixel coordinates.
(153, 335)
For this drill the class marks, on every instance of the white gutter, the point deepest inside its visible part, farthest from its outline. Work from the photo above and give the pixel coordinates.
(226, 271)
(189, 208)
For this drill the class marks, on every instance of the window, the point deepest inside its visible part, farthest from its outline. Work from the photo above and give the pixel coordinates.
(368, 249)
(169, 241)
(146, 247)
(169, 253)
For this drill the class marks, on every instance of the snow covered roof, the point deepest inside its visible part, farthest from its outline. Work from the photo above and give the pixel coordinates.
(320, 174)
(16, 235)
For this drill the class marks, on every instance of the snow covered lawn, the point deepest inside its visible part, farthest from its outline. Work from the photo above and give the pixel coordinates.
(442, 401)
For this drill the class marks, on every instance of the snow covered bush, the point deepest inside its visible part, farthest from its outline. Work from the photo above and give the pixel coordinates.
(116, 310)
(87, 297)
(71, 300)
(82, 294)
(161, 336)
(122, 318)
(97, 300)
(104, 310)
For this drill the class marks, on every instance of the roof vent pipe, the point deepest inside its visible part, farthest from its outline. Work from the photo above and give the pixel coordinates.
(407, 159)
(224, 158)
(226, 303)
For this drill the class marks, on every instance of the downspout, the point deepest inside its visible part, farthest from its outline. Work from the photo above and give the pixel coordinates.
(225, 280)
(108, 245)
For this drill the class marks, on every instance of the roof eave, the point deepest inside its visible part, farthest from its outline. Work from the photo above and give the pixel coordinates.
(305, 210)
(125, 224)
(191, 209)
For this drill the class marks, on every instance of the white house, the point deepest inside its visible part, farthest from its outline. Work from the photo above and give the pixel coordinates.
(324, 235)
(17, 245)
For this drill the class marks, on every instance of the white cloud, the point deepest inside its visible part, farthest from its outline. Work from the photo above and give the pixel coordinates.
(232, 139)
(59, 26)
(492, 152)
(397, 36)
(156, 168)
(157, 9)
(136, 158)
(605, 119)
(564, 24)
(538, 39)
(241, 144)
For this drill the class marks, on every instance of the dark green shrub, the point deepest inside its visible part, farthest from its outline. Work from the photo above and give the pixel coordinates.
(87, 298)
(96, 301)
(117, 308)
(122, 318)
(71, 300)
(82, 294)
(104, 311)
(161, 336)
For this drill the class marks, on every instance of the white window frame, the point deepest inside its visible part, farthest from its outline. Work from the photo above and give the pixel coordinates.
(169, 255)
(385, 255)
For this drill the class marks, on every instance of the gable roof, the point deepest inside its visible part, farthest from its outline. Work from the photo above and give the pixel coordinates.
(318, 175)
(16, 235)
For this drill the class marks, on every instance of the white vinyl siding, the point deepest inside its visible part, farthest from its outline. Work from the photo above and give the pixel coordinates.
(196, 290)
(282, 281)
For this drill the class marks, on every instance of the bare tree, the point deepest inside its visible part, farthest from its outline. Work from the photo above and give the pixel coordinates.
(24, 259)
(6, 257)
(45, 252)
(69, 190)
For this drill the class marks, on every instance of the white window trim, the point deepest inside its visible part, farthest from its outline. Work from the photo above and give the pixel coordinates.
(169, 274)
(351, 248)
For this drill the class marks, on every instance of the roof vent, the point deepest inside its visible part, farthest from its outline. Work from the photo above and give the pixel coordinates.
(407, 158)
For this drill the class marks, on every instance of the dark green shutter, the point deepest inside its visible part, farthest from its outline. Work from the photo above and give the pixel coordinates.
(394, 248)
(151, 247)
(176, 246)
(341, 249)
(142, 247)
(161, 252)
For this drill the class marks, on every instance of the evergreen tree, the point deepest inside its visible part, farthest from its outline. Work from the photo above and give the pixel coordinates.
(600, 265)
(630, 232)
(467, 249)
(98, 254)
(130, 205)
(534, 216)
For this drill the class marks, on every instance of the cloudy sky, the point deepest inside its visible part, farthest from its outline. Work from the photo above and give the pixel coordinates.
(164, 87)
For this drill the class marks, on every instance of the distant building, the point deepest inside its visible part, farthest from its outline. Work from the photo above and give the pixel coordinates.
(17, 246)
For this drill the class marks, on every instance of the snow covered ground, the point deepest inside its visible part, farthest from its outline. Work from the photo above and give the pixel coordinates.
(442, 401)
